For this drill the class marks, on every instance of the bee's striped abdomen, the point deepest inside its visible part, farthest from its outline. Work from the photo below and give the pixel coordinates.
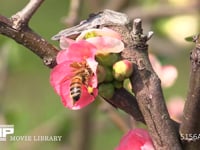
(75, 88)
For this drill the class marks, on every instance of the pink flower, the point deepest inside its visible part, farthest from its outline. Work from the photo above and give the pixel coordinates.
(105, 40)
(74, 78)
(175, 107)
(136, 139)
(169, 75)
(166, 73)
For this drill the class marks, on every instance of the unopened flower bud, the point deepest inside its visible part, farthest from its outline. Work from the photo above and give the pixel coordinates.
(118, 84)
(106, 90)
(108, 74)
(122, 69)
(107, 59)
(101, 73)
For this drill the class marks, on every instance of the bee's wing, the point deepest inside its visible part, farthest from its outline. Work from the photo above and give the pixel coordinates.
(106, 17)
(76, 30)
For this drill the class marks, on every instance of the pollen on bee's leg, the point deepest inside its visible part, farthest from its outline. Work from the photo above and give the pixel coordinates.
(90, 90)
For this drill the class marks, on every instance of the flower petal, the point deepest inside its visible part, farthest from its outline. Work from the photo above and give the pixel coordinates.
(92, 64)
(100, 32)
(107, 44)
(175, 106)
(67, 101)
(136, 139)
(81, 50)
(58, 73)
(61, 75)
(77, 51)
(65, 42)
(62, 56)
(169, 75)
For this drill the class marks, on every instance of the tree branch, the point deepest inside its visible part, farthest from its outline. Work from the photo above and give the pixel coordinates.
(147, 88)
(22, 18)
(191, 123)
(123, 100)
(30, 40)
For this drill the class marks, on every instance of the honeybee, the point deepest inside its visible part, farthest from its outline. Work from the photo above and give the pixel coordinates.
(81, 75)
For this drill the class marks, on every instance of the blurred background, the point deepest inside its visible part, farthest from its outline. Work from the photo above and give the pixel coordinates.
(28, 101)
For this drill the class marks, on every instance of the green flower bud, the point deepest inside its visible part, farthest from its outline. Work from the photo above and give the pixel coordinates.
(101, 73)
(122, 69)
(107, 59)
(108, 74)
(106, 90)
(118, 84)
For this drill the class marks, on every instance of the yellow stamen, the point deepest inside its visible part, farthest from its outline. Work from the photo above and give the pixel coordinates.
(90, 35)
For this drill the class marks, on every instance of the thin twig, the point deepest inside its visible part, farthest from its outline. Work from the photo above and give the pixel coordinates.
(114, 116)
(22, 17)
(17, 28)
(31, 40)
(73, 15)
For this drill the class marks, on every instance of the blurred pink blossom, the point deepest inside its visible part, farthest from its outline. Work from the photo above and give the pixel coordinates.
(167, 73)
(136, 139)
(78, 53)
(175, 107)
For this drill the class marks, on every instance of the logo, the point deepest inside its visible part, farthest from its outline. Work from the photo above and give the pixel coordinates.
(5, 130)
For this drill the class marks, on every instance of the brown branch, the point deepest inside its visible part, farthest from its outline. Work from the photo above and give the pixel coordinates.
(125, 101)
(147, 88)
(30, 40)
(191, 123)
(22, 17)
(17, 28)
